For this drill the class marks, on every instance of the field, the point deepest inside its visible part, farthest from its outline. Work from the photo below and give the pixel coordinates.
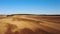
(29, 24)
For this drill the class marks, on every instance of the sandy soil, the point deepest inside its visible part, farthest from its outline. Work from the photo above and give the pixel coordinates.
(25, 24)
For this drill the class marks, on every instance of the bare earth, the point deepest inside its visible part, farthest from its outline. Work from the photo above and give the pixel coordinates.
(30, 24)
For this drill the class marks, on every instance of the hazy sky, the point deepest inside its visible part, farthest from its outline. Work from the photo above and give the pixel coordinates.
(30, 6)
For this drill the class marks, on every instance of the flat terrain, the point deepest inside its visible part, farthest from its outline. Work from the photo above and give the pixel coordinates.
(30, 24)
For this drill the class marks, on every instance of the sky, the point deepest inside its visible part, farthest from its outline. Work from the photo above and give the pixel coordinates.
(29, 6)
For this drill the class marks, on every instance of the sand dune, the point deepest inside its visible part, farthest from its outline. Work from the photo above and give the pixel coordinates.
(26, 24)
